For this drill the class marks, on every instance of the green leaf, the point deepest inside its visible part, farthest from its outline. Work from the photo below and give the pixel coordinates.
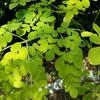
(64, 71)
(39, 60)
(32, 35)
(46, 17)
(26, 27)
(29, 15)
(13, 5)
(54, 33)
(2, 30)
(22, 2)
(31, 50)
(66, 42)
(74, 71)
(71, 2)
(13, 26)
(3, 42)
(87, 96)
(0, 47)
(44, 45)
(18, 84)
(8, 36)
(77, 61)
(3, 76)
(20, 32)
(20, 14)
(68, 57)
(72, 41)
(79, 5)
(73, 92)
(14, 96)
(57, 50)
(50, 39)
(59, 63)
(16, 47)
(68, 17)
(77, 57)
(23, 70)
(86, 3)
(96, 28)
(41, 73)
(86, 34)
(23, 52)
(50, 55)
(61, 29)
(60, 42)
(94, 56)
(72, 78)
(26, 94)
(6, 87)
(95, 39)
(82, 90)
(38, 93)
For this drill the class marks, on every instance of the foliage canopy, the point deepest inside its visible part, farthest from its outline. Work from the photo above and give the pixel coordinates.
(46, 41)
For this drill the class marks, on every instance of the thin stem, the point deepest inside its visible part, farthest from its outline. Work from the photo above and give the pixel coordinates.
(27, 47)
(59, 11)
(79, 24)
(55, 6)
(95, 19)
(77, 29)
(17, 36)
(11, 45)
(96, 16)
(5, 48)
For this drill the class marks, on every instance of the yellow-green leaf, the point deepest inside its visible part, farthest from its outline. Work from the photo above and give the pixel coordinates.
(86, 3)
(96, 28)
(86, 34)
(94, 56)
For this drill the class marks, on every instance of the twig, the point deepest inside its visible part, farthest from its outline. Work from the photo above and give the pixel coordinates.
(17, 36)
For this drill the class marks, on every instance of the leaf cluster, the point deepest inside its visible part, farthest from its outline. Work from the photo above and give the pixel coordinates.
(31, 39)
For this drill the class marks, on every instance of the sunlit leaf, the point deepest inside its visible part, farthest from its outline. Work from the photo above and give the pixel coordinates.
(26, 27)
(18, 84)
(86, 3)
(79, 5)
(43, 47)
(32, 35)
(94, 56)
(86, 34)
(13, 26)
(95, 39)
(3, 76)
(2, 30)
(3, 42)
(8, 36)
(96, 28)
(16, 47)
(31, 50)
(23, 52)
